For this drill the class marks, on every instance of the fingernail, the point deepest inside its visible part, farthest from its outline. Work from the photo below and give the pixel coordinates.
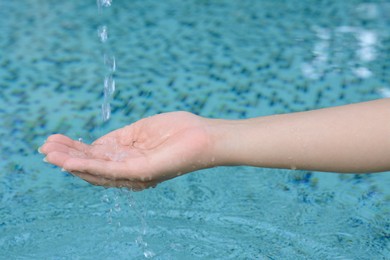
(44, 159)
(39, 150)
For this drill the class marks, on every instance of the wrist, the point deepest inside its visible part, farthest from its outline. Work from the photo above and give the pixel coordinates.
(227, 142)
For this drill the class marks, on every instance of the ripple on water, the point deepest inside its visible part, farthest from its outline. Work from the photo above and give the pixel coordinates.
(212, 235)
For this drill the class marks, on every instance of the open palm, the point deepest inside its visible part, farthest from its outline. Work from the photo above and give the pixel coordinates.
(137, 156)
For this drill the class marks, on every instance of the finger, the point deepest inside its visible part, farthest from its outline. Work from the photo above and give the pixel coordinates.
(88, 151)
(101, 168)
(54, 147)
(59, 138)
(62, 139)
(133, 185)
(57, 158)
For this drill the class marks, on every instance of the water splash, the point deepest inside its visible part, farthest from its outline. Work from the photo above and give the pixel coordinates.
(117, 201)
(147, 252)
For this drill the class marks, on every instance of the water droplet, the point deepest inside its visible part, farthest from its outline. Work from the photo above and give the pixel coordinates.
(105, 198)
(109, 86)
(140, 242)
(80, 140)
(106, 111)
(109, 61)
(103, 3)
(384, 92)
(149, 254)
(103, 33)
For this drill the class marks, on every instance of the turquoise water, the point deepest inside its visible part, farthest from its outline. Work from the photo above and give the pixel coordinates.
(229, 59)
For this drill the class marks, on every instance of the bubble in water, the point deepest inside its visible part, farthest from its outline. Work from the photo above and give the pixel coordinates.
(106, 111)
(109, 61)
(103, 33)
(109, 86)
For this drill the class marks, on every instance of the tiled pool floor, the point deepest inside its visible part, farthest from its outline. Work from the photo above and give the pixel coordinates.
(229, 59)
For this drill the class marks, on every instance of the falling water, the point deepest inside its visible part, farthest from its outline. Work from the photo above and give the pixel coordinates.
(108, 90)
(109, 63)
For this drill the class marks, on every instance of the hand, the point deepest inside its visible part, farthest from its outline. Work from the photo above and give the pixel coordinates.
(137, 156)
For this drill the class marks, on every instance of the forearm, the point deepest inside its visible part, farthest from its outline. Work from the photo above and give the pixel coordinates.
(352, 138)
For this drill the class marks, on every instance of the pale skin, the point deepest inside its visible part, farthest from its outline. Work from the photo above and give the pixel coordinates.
(346, 139)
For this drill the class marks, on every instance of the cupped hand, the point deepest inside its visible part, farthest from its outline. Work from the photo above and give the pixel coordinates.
(137, 156)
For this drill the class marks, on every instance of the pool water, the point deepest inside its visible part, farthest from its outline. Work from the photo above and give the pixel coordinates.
(215, 58)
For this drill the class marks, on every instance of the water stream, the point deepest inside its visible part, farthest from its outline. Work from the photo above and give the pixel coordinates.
(109, 62)
(108, 90)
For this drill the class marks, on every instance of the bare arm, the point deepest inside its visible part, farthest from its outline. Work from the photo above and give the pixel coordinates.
(353, 138)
